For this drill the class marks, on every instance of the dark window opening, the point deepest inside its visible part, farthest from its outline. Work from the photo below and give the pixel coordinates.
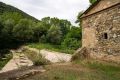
(105, 36)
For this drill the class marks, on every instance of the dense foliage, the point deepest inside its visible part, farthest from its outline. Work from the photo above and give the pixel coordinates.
(4, 8)
(92, 1)
(16, 27)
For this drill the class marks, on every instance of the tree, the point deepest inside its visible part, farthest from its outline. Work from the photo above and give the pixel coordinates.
(46, 22)
(73, 38)
(55, 21)
(71, 43)
(1, 37)
(8, 27)
(75, 32)
(23, 30)
(39, 30)
(64, 26)
(6, 33)
(11, 15)
(54, 35)
(79, 18)
(92, 1)
(1, 25)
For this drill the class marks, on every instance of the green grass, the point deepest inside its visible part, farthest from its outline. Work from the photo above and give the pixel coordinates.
(51, 47)
(110, 71)
(85, 70)
(3, 61)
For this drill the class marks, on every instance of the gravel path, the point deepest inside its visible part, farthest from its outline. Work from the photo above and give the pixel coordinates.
(52, 56)
(18, 60)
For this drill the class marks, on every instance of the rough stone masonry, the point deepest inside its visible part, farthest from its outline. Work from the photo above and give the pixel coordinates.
(101, 27)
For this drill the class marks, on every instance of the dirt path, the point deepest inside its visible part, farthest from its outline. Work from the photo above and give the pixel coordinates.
(22, 73)
(18, 60)
(52, 56)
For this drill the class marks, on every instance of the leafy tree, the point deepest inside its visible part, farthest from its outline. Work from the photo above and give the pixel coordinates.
(1, 37)
(55, 21)
(23, 30)
(79, 18)
(12, 15)
(54, 35)
(64, 26)
(6, 33)
(73, 38)
(39, 30)
(75, 32)
(8, 27)
(71, 43)
(1, 25)
(7, 9)
(46, 22)
(92, 1)
(43, 39)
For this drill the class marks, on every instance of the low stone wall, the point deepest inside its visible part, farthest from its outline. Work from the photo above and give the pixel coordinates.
(106, 57)
(86, 53)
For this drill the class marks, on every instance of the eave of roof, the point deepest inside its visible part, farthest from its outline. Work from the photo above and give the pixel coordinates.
(92, 6)
(100, 10)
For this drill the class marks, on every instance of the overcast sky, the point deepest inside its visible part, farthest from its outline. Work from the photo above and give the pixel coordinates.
(63, 9)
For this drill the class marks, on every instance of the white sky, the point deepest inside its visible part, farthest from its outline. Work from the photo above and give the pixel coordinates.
(63, 9)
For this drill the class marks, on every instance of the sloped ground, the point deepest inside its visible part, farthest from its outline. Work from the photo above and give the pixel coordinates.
(18, 60)
(78, 70)
(85, 70)
(52, 56)
(21, 73)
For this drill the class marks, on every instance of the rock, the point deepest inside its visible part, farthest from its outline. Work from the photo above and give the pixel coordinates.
(81, 53)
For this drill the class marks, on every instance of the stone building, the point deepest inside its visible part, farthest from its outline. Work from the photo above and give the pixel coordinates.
(101, 27)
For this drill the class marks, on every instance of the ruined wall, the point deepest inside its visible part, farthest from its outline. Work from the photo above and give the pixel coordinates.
(104, 36)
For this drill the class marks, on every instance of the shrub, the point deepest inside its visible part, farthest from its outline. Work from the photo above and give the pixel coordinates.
(39, 30)
(4, 58)
(54, 35)
(36, 58)
(23, 30)
(43, 39)
(40, 60)
(71, 43)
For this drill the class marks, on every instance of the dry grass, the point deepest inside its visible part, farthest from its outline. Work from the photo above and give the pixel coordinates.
(85, 70)
(36, 58)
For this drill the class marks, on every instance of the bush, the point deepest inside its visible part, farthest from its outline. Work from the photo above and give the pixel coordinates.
(4, 58)
(23, 30)
(71, 43)
(39, 30)
(36, 58)
(43, 39)
(54, 35)
(40, 60)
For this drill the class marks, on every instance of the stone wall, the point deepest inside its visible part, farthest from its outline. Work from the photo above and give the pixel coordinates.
(104, 36)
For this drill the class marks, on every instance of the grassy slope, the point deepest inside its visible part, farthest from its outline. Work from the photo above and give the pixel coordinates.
(8, 8)
(86, 70)
(3, 62)
(51, 47)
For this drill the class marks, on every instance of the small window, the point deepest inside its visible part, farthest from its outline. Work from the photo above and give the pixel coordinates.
(105, 36)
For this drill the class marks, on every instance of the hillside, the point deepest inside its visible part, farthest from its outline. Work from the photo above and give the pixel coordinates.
(8, 8)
